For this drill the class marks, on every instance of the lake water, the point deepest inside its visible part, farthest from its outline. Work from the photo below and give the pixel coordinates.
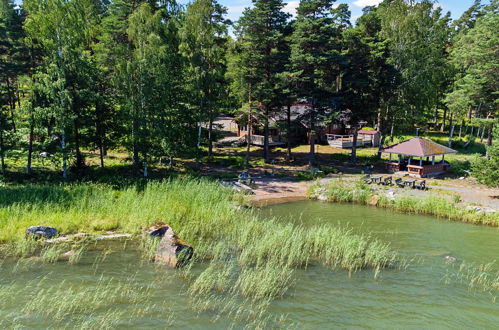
(426, 294)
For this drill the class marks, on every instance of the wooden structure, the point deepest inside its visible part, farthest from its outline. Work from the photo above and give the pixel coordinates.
(258, 140)
(424, 149)
(365, 138)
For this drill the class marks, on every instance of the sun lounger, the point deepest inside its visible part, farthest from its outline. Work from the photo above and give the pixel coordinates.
(367, 179)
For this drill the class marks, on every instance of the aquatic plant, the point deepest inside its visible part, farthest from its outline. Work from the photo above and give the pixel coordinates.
(475, 277)
(66, 305)
(431, 204)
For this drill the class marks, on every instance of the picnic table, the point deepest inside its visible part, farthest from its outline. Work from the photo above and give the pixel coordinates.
(409, 182)
(376, 178)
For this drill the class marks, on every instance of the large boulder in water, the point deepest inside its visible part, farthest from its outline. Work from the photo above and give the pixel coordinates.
(172, 251)
(41, 232)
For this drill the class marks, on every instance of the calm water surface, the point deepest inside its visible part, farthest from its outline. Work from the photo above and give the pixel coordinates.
(417, 297)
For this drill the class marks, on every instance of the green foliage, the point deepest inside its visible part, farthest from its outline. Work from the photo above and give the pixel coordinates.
(418, 34)
(486, 168)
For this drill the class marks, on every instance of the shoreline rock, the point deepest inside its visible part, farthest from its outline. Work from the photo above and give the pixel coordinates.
(41, 232)
(172, 251)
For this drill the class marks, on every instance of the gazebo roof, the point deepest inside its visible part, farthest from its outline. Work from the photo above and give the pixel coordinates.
(418, 147)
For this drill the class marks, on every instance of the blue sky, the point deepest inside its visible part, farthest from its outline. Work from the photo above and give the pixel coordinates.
(236, 7)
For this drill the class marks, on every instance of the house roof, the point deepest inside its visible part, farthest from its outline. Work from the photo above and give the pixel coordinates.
(418, 147)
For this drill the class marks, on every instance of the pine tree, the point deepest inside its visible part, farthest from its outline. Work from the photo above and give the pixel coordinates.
(262, 51)
(316, 58)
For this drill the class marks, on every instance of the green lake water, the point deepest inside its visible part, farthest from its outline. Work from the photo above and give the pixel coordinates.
(427, 294)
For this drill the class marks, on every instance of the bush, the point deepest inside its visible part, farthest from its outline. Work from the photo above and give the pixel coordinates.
(486, 169)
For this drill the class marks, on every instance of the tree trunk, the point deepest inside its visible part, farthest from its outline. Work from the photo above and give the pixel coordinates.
(471, 137)
(288, 133)
(64, 156)
(12, 104)
(210, 136)
(266, 136)
(435, 118)
(489, 135)
(482, 135)
(392, 129)
(249, 129)
(461, 128)
(2, 154)
(30, 142)
(79, 157)
(135, 137)
(311, 155)
(99, 128)
(451, 134)
(442, 128)
(381, 143)
(353, 158)
(146, 168)
(379, 120)
(489, 140)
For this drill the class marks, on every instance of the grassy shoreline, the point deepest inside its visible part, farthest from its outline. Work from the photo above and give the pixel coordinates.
(246, 257)
(434, 205)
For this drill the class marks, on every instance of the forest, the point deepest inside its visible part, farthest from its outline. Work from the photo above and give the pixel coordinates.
(150, 77)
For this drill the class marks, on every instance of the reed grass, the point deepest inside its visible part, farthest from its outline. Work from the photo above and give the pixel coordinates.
(476, 277)
(432, 204)
(250, 261)
(66, 305)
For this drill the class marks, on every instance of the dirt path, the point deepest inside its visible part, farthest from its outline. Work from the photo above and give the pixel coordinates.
(278, 190)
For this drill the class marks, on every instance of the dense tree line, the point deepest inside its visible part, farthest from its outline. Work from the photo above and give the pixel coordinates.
(151, 76)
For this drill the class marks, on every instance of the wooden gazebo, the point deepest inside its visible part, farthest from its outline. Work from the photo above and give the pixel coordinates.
(408, 153)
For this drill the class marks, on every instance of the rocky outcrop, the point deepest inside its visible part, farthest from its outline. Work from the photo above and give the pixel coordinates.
(41, 232)
(172, 251)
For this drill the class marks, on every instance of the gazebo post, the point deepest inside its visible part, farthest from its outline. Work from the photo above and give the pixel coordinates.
(409, 162)
(420, 161)
(443, 158)
(390, 156)
(432, 160)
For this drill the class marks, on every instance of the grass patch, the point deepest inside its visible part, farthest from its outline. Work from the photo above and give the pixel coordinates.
(361, 193)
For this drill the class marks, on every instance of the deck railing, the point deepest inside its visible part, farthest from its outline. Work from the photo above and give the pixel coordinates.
(258, 140)
(345, 141)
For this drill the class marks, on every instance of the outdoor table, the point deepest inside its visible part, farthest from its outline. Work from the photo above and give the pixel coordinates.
(376, 178)
(410, 182)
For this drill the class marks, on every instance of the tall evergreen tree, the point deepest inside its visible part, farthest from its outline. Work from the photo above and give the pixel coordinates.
(316, 57)
(260, 33)
(368, 78)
